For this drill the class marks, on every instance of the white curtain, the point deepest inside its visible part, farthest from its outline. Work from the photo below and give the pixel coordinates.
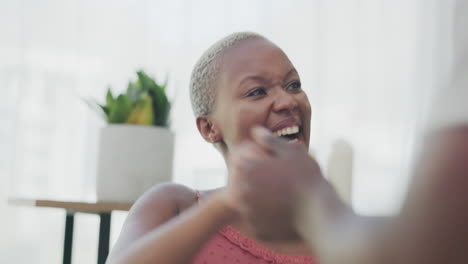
(368, 66)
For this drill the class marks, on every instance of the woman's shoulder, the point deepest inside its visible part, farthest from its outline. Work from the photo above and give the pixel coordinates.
(177, 195)
(155, 207)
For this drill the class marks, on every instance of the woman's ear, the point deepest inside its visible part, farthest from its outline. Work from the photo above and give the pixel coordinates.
(208, 130)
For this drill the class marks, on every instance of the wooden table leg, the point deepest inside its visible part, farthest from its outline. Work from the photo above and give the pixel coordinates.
(104, 237)
(68, 241)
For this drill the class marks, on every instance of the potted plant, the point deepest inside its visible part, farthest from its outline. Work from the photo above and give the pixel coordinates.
(136, 147)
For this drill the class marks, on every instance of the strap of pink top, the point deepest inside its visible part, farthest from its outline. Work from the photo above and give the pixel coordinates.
(197, 192)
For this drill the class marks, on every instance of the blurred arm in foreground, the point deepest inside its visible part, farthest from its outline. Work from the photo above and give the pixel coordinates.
(431, 228)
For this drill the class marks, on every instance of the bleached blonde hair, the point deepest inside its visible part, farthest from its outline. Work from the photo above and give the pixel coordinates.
(206, 71)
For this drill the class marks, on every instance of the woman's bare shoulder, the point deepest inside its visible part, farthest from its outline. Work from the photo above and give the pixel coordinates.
(167, 195)
(155, 207)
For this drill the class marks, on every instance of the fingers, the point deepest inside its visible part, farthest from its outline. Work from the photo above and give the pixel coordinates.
(268, 141)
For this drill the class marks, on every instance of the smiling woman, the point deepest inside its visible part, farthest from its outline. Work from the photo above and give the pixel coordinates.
(256, 85)
(368, 68)
(242, 81)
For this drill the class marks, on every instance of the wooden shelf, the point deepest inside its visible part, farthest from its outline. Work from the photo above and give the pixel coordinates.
(84, 207)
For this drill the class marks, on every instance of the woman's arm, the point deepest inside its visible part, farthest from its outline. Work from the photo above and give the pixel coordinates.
(155, 232)
(337, 234)
(286, 187)
(431, 228)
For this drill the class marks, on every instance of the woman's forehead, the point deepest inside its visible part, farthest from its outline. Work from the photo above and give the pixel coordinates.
(256, 57)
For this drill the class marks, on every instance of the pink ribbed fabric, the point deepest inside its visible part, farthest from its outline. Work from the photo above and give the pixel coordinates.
(229, 246)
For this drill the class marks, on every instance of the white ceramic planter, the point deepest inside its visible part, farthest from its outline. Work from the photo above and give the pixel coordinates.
(131, 159)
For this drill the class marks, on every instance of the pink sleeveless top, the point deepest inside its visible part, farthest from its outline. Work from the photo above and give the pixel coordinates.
(229, 246)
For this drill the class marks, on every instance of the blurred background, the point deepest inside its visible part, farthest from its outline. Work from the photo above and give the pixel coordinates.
(369, 68)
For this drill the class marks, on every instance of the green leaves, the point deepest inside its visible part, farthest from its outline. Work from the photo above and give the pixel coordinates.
(144, 103)
(142, 114)
(161, 105)
(120, 110)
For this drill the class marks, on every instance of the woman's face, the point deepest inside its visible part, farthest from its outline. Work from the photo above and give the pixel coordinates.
(258, 85)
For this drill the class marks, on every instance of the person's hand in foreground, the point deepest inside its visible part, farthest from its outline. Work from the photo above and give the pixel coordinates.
(284, 193)
(270, 174)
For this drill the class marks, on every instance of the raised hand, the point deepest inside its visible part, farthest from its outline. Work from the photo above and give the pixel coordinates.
(269, 175)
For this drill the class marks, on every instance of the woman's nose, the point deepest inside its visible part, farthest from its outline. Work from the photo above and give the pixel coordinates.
(284, 102)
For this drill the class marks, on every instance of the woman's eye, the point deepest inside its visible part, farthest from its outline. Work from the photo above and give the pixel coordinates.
(257, 92)
(294, 86)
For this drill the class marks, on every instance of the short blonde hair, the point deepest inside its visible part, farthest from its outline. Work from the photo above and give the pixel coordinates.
(206, 70)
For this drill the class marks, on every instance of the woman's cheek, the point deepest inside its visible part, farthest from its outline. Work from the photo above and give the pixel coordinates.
(248, 120)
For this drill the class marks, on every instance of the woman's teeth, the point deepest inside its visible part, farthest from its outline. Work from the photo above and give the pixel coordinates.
(287, 131)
